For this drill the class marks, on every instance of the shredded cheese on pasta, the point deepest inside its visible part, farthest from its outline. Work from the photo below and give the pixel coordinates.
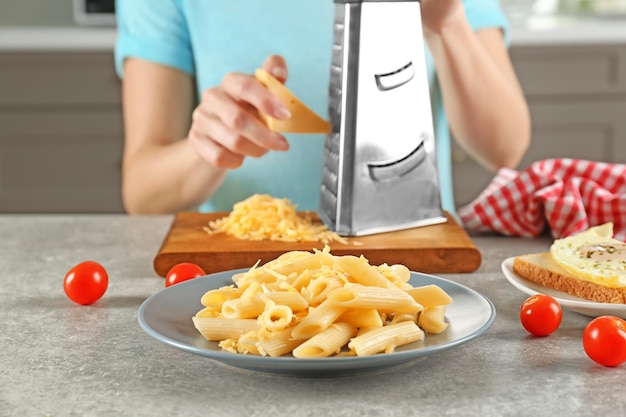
(315, 304)
(262, 217)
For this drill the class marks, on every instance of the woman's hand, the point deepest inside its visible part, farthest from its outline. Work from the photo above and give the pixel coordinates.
(225, 128)
(172, 163)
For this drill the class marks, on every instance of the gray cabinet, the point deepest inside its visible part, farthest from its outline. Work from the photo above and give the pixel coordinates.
(60, 133)
(577, 99)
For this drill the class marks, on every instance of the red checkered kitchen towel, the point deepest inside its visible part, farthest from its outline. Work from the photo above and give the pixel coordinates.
(566, 195)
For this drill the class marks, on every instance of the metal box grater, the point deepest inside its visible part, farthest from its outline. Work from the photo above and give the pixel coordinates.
(380, 170)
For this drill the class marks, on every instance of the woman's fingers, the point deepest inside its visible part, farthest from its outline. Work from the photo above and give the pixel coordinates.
(226, 128)
(277, 66)
(212, 128)
(248, 89)
(214, 153)
(237, 117)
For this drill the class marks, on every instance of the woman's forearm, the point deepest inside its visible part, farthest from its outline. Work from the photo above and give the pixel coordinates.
(167, 179)
(485, 105)
(161, 173)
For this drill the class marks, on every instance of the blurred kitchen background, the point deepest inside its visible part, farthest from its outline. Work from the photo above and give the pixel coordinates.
(60, 107)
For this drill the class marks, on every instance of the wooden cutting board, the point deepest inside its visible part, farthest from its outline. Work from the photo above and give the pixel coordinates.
(440, 248)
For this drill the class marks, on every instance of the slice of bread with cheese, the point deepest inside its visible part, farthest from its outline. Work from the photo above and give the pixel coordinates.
(542, 269)
(302, 120)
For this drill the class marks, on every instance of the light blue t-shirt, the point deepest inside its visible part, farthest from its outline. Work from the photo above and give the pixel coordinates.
(209, 38)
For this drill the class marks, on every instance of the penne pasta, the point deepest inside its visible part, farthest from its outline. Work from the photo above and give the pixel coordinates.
(301, 280)
(278, 344)
(362, 272)
(365, 318)
(399, 275)
(217, 297)
(318, 319)
(326, 343)
(217, 328)
(433, 320)
(294, 300)
(243, 308)
(209, 312)
(401, 272)
(386, 339)
(397, 318)
(253, 276)
(430, 296)
(314, 305)
(253, 289)
(246, 343)
(382, 299)
(317, 290)
(311, 262)
(276, 317)
(258, 276)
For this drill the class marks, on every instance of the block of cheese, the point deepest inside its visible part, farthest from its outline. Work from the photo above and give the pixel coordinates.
(302, 120)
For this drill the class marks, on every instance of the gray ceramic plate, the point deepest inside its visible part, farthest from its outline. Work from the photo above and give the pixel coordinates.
(166, 316)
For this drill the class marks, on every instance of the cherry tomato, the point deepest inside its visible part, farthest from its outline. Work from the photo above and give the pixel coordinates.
(182, 272)
(540, 314)
(86, 282)
(604, 340)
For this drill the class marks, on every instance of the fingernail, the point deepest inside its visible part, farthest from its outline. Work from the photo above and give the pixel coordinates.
(279, 72)
(282, 144)
(281, 112)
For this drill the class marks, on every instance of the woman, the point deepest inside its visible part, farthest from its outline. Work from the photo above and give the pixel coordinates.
(191, 135)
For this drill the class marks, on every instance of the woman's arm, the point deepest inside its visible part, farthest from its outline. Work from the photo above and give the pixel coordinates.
(484, 102)
(175, 156)
(161, 173)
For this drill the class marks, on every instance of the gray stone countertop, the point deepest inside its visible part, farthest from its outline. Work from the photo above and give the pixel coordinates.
(59, 359)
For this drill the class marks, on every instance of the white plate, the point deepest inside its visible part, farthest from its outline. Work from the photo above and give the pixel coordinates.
(569, 302)
(166, 316)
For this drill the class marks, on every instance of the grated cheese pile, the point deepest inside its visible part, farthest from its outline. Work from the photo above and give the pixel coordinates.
(262, 217)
